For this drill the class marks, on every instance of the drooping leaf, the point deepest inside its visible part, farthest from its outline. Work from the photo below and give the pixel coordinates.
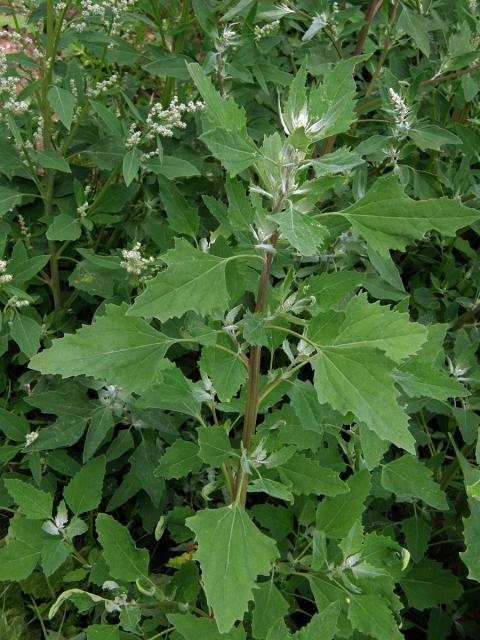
(214, 445)
(231, 566)
(120, 349)
(124, 560)
(226, 369)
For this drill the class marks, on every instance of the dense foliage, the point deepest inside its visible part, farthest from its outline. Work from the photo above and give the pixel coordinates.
(240, 289)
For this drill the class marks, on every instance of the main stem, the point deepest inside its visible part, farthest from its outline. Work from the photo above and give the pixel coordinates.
(47, 144)
(251, 406)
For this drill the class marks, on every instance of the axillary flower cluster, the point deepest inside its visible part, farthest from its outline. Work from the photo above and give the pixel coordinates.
(9, 90)
(161, 121)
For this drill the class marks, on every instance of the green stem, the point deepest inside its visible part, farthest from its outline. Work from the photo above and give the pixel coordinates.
(178, 48)
(251, 406)
(47, 144)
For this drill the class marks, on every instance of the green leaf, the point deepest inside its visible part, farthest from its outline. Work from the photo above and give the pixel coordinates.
(430, 136)
(270, 606)
(8, 199)
(194, 281)
(375, 325)
(120, 349)
(181, 217)
(303, 233)
(271, 488)
(124, 560)
(64, 227)
(304, 476)
(179, 460)
(191, 627)
(235, 149)
(13, 426)
(342, 380)
(27, 333)
(214, 445)
(21, 555)
(370, 615)
(221, 112)
(416, 27)
(429, 584)
(330, 288)
(336, 516)
(226, 369)
(174, 392)
(409, 479)
(471, 534)
(388, 219)
(231, 566)
(417, 533)
(63, 103)
(32, 502)
(84, 491)
(337, 162)
(54, 554)
(103, 632)
(51, 159)
(131, 165)
(322, 625)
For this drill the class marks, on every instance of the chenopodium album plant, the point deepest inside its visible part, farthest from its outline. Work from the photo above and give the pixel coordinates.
(259, 427)
(286, 404)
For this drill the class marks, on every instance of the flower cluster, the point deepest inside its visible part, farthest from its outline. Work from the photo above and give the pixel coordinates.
(102, 86)
(266, 30)
(9, 88)
(134, 262)
(401, 112)
(162, 122)
(108, 12)
(83, 208)
(17, 303)
(4, 277)
(30, 438)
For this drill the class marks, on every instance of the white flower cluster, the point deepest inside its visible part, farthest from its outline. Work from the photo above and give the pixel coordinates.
(56, 527)
(22, 41)
(17, 303)
(162, 122)
(83, 208)
(109, 12)
(134, 136)
(4, 277)
(266, 30)
(134, 262)
(8, 89)
(400, 111)
(102, 86)
(30, 438)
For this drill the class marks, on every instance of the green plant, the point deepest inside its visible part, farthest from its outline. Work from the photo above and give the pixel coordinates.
(262, 365)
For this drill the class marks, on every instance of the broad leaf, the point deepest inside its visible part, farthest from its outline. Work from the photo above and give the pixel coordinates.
(429, 584)
(336, 516)
(63, 103)
(388, 219)
(179, 460)
(270, 606)
(120, 349)
(124, 560)
(194, 281)
(304, 475)
(32, 502)
(231, 566)
(235, 149)
(84, 491)
(303, 233)
(214, 445)
(9, 198)
(370, 615)
(409, 479)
